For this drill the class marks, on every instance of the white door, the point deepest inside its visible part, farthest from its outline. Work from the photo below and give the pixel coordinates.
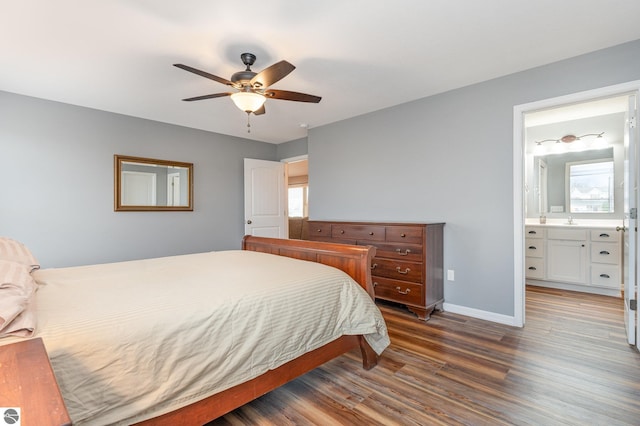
(265, 201)
(138, 189)
(629, 228)
(173, 189)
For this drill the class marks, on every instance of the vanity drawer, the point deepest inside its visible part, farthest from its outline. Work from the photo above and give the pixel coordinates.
(605, 235)
(605, 253)
(531, 232)
(567, 234)
(412, 252)
(404, 234)
(398, 291)
(534, 247)
(390, 268)
(358, 232)
(605, 276)
(534, 268)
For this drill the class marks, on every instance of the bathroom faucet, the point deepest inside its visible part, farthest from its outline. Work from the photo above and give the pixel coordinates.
(570, 220)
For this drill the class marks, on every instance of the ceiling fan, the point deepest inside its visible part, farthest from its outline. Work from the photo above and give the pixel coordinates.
(252, 89)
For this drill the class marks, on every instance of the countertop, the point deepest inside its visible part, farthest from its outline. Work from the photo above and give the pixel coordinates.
(578, 223)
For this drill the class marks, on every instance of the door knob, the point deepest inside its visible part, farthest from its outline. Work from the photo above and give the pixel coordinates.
(249, 222)
(621, 228)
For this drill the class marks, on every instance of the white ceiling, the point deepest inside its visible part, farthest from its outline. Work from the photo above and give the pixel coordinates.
(359, 55)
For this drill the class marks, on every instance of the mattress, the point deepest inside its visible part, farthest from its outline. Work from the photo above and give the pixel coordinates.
(132, 340)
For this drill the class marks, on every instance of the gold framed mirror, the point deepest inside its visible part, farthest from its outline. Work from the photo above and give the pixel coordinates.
(148, 184)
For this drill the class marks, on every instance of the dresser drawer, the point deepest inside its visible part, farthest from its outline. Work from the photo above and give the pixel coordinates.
(534, 247)
(404, 234)
(398, 291)
(318, 230)
(605, 253)
(411, 252)
(397, 269)
(534, 268)
(358, 232)
(605, 235)
(605, 276)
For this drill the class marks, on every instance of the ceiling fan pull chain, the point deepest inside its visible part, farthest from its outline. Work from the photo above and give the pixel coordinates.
(248, 122)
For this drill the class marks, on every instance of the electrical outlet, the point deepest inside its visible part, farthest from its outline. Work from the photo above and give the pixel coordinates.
(450, 275)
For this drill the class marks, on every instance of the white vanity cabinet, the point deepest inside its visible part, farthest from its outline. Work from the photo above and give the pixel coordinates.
(534, 252)
(575, 258)
(567, 255)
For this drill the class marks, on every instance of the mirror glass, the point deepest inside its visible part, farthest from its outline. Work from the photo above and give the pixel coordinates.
(575, 182)
(147, 184)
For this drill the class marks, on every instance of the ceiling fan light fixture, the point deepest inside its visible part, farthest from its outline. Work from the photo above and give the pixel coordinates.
(248, 101)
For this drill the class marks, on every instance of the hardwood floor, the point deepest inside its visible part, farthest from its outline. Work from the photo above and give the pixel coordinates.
(570, 365)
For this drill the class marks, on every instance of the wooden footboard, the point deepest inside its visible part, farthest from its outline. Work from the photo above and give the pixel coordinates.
(355, 261)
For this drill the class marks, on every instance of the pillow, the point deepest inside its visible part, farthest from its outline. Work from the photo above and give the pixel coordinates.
(15, 251)
(17, 289)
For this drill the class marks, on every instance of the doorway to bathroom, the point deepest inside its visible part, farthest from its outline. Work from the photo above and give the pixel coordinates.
(575, 168)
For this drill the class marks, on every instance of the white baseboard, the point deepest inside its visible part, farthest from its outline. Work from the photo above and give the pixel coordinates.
(477, 313)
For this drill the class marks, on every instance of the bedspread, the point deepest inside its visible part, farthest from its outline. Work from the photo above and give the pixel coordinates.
(154, 335)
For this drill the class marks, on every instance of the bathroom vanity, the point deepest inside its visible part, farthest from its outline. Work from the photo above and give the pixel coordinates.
(577, 257)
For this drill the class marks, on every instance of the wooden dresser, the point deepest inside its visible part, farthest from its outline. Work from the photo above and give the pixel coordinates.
(27, 382)
(407, 267)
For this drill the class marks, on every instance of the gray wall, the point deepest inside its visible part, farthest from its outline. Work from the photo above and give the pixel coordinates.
(449, 158)
(292, 149)
(57, 196)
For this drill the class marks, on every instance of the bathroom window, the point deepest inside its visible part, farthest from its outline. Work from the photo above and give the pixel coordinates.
(590, 186)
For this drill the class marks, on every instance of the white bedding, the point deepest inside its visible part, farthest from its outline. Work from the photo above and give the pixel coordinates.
(163, 333)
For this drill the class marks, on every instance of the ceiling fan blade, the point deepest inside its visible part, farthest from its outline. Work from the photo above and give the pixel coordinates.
(205, 74)
(291, 96)
(260, 111)
(270, 75)
(214, 95)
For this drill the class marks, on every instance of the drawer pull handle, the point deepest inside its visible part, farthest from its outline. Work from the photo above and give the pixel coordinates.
(533, 268)
(604, 276)
(370, 233)
(532, 248)
(604, 235)
(604, 252)
(532, 232)
(405, 272)
(374, 266)
(403, 253)
(407, 291)
(319, 230)
(403, 235)
(375, 284)
(342, 231)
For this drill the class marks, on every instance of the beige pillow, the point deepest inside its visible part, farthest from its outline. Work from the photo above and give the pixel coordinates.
(15, 251)
(17, 294)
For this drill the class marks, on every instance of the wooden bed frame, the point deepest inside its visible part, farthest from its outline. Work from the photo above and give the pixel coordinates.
(355, 261)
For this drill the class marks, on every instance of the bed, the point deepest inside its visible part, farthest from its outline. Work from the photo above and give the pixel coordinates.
(156, 341)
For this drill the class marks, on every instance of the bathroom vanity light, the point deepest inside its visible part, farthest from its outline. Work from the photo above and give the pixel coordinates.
(569, 138)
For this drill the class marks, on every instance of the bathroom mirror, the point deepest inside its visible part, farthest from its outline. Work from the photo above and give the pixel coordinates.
(558, 186)
(147, 184)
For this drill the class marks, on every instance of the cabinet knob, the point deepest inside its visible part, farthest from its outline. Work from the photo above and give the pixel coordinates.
(319, 230)
(370, 233)
(342, 231)
(403, 235)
